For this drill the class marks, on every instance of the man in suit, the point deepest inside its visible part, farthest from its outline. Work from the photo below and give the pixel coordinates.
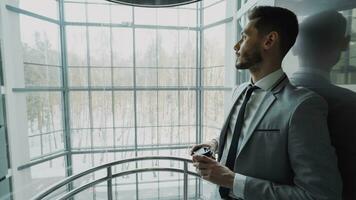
(274, 143)
(318, 54)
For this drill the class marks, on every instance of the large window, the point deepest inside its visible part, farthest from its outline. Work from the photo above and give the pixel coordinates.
(103, 82)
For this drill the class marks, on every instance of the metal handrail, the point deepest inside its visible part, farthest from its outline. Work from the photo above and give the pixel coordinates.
(110, 176)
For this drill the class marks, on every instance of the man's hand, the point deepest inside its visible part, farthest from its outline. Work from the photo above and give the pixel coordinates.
(213, 171)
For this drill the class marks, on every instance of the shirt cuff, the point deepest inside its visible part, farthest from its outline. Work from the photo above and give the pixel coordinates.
(239, 186)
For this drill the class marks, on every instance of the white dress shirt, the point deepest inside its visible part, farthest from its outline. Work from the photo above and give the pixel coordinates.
(265, 85)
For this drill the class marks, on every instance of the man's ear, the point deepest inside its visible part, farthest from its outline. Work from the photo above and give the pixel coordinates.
(345, 43)
(270, 40)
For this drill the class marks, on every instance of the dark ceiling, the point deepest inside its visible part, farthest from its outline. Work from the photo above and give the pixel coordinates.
(154, 3)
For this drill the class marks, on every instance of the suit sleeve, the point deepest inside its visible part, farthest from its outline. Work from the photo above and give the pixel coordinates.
(312, 159)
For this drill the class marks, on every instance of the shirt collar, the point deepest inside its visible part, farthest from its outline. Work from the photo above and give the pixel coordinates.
(267, 82)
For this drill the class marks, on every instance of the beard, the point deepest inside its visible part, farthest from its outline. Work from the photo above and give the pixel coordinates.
(250, 59)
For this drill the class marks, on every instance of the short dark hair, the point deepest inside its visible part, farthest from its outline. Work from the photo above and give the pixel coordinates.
(278, 19)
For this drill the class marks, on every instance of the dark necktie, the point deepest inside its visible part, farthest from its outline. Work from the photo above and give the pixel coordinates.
(230, 161)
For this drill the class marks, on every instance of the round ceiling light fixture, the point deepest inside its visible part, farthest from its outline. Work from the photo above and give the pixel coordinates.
(154, 3)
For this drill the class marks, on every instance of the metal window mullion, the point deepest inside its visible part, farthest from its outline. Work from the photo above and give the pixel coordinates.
(46, 133)
(42, 159)
(139, 26)
(135, 94)
(42, 65)
(111, 127)
(200, 41)
(148, 88)
(65, 93)
(31, 14)
(178, 102)
(37, 89)
(129, 67)
(112, 96)
(41, 144)
(89, 92)
(214, 24)
(213, 4)
(157, 102)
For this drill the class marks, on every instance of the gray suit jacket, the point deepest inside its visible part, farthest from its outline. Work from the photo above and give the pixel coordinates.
(288, 154)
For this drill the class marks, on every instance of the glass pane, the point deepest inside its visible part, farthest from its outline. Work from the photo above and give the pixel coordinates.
(101, 76)
(81, 138)
(99, 46)
(167, 108)
(146, 76)
(187, 48)
(147, 108)
(121, 14)
(44, 115)
(167, 44)
(209, 2)
(125, 187)
(35, 145)
(187, 135)
(76, 46)
(214, 76)
(213, 113)
(78, 77)
(43, 175)
(215, 13)
(214, 46)
(168, 77)
(102, 109)
(79, 110)
(187, 17)
(124, 138)
(167, 16)
(187, 77)
(103, 138)
(74, 12)
(83, 162)
(40, 41)
(42, 75)
(147, 16)
(170, 182)
(168, 136)
(123, 77)
(53, 142)
(187, 108)
(124, 109)
(48, 8)
(146, 54)
(147, 137)
(122, 47)
(98, 13)
(214, 56)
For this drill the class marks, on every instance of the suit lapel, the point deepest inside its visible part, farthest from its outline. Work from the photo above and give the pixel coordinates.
(260, 112)
(262, 109)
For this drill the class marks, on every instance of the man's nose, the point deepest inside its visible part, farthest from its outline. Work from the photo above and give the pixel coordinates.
(237, 46)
